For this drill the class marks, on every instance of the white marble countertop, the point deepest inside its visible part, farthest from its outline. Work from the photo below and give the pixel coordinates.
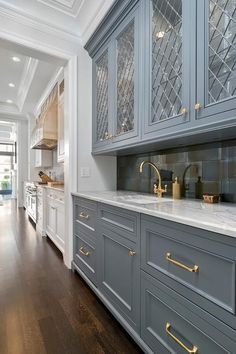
(57, 188)
(219, 218)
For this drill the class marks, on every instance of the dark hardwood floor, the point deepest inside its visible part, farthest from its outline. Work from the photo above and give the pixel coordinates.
(44, 307)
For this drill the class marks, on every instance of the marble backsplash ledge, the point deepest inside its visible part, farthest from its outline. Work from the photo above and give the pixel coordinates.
(214, 163)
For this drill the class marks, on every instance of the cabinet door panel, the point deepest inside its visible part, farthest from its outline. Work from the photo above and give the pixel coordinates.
(51, 219)
(216, 58)
(119, 274)
(126, 79)
(101, 99)
(168, 62)
(60, 227)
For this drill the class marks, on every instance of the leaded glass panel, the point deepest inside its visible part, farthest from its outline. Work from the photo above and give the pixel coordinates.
(125, 80)
(222, 50)
(166, 59)
(102, 96)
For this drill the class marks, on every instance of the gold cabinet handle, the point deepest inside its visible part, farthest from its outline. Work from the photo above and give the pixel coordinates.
(194, 350)
(184, 111)
(83, 252)
(84, 216)
(195, 268)
(197, 106)
(132, 253)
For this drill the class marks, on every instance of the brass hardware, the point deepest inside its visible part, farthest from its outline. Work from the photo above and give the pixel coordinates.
(158, 190)
(184, 111)
(82, 215)
(132, 253)
(194, 350)
(195, 268)
(83, 252)
(198, 106)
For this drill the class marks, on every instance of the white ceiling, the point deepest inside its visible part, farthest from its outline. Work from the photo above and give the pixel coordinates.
(30, 77)
(77, 17)
(10, 72)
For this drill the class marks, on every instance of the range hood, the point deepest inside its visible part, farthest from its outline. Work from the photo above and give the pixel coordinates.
(45, 134)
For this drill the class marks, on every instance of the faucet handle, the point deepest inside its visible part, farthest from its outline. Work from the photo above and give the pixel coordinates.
(165, 190)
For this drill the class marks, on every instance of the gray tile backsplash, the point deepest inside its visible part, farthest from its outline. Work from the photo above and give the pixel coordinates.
(214, 163)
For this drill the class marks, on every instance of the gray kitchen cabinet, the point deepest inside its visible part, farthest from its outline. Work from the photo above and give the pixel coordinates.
(216, 58)
(116, 86)
(167, 327)
(195, 263)
(84, 241)
(171, 286)
(155, 81)
(119, 262)
(167, 66)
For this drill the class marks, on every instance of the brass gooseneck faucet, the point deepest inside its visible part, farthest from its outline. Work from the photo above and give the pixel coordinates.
(158, 190)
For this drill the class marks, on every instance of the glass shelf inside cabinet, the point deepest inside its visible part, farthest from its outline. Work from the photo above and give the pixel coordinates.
(166, 59)
(125, 80)
(221, 50)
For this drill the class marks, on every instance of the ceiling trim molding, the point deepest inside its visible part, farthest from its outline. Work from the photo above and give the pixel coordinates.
(19, 16)
(6, 108)
(30, 68)
(57, 77)
(71, 9)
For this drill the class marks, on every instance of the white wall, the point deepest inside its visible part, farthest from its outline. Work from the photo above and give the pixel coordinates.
(22, 159)
(102, 168)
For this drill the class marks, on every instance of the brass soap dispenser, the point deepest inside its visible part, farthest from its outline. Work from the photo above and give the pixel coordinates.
(176, 189)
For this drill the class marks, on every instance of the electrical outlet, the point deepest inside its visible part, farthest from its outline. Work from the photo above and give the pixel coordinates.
(85, 172)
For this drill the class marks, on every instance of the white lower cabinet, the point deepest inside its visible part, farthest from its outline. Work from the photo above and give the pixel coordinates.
(55, 222)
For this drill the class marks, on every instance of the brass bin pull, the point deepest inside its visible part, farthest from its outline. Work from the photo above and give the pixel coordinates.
(83, 252)
(84, 216)
(194, 269)
(194, 350)
(132, 253)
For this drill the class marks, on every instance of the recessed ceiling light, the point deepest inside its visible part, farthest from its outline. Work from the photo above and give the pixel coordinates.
(11, 84)
(16, 59)
(9, 101)
(160, 34)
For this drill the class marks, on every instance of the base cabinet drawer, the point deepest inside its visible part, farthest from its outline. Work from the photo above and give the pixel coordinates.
(85, 257)
(188, 261)
(169, 328)
(119, 274)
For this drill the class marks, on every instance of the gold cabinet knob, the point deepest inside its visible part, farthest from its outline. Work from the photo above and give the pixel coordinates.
(197, 106)
(184, 111)
(132, 253)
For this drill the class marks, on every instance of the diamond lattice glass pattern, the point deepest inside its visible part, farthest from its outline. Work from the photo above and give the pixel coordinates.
(222, 50)
(102, 96)
(125, 80)
(166, 59)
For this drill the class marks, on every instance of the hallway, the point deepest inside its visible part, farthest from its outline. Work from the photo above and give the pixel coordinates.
(44, 307)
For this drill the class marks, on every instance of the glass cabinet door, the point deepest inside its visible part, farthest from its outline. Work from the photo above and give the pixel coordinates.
(168, 103)
(126, 79)
(216, 90)
(101, 132)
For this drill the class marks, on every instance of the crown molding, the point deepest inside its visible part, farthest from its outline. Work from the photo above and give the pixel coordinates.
(108, 24)
(57, 77)
(6, 108)
(30, 68)
(19, 16)
(70, 8)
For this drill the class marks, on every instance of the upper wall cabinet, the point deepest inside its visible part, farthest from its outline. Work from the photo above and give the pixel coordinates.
(163, 70)
(115, 86)
(216, 60)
